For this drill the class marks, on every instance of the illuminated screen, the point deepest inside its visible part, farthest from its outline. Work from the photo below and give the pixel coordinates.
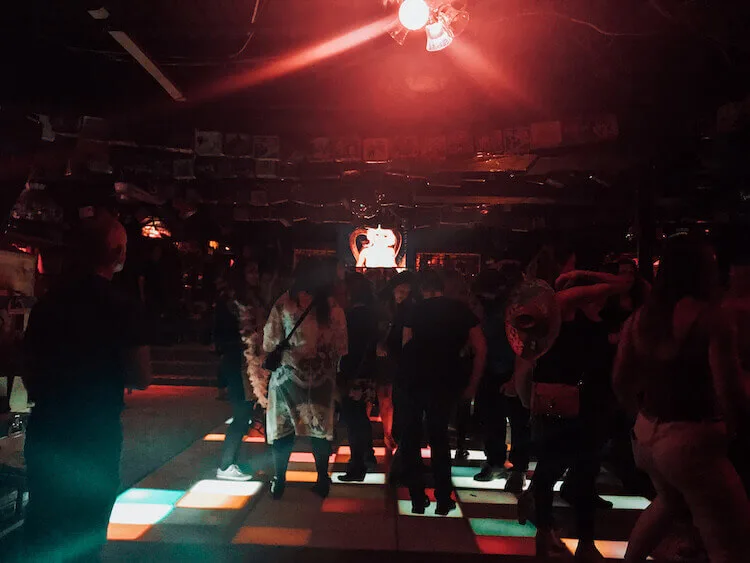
(369, 247)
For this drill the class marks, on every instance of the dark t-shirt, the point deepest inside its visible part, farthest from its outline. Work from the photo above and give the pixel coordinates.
(75, 344)
(440, 330)
(362, 329)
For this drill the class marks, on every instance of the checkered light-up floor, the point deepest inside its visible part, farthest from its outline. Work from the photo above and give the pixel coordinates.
(182, 502)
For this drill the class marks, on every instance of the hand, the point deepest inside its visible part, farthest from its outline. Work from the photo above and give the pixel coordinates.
(381, 351)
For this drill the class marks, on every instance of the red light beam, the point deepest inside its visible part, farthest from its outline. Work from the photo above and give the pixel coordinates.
(300, 59)
(491, 79)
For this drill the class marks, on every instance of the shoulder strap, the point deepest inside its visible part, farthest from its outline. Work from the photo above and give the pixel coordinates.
(302, 317)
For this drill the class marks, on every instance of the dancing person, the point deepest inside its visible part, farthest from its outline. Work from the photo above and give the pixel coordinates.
(84, 344)
(240, 314)
(302, 388)
(678, 368)
(434, 336)
(565, 439)
(496, 400)
(457, 288)
(357, 375)
(402, 295)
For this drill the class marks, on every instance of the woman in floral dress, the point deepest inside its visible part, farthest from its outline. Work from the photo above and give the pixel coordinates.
(301, 391)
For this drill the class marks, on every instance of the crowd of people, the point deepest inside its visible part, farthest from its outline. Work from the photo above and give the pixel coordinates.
(575, 361)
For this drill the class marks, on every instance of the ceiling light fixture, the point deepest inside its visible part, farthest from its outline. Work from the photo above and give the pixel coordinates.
(438, 37)
(414, 14)
(442, 21)
(135, 51)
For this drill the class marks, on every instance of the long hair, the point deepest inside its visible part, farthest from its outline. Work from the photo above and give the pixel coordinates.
(314, 277)
(687, 269)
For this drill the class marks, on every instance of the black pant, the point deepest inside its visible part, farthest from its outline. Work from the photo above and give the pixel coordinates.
(436, 409)
(282, 449)
(463, 422)
(73, 472)
(493, 408)
(564, 444)
(359, 431)
(242, 410)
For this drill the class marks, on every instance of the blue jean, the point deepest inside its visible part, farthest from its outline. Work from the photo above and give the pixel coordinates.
(693, 477)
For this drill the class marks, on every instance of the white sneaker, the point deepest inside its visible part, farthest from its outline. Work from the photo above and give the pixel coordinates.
(232, 473)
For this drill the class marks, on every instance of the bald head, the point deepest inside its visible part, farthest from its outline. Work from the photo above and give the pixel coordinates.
(103, 245)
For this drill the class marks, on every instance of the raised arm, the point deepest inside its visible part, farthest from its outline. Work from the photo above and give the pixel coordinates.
(604, 286)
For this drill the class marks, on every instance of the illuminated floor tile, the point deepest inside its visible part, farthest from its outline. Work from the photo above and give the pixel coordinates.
(246, 439)
(307, 457)
(346, 450)
(627, 503)
(506, 546)
(486, 497)
(126, 532)
(465, 482)
(474, 455)
(404, 509)
(150, 496)
(502, 528)
(301, 476)
(124, 513)
(212, 501)
(353, 505)
(609, 549)
(464, 471)
(231, 488)
(370, 479)
(254, 439)
(272, 536)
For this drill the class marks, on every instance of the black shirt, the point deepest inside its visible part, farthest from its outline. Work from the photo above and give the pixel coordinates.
(362, 329)
(75, 344)
(440, 330)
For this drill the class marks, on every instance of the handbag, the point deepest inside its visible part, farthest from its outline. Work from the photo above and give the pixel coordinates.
(555, 399)
(273, 359)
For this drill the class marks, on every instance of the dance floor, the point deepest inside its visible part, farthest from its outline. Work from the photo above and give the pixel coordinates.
(182, 503)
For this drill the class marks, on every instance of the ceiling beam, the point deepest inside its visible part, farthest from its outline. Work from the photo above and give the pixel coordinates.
(135, 51)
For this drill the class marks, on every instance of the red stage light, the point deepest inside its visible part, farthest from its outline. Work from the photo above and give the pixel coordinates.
(414, 14)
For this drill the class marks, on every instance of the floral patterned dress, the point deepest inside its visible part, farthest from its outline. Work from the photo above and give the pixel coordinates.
(301, 392)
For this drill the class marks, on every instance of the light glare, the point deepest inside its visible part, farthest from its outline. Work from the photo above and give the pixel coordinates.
(414, 14)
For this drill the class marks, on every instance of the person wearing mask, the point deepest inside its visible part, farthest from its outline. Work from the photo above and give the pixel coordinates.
(677, 366)
(240, 314)
(434, 336)
(357, 375)
(84, 345)
(560, 425)
(495, 402)
(302, 388)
